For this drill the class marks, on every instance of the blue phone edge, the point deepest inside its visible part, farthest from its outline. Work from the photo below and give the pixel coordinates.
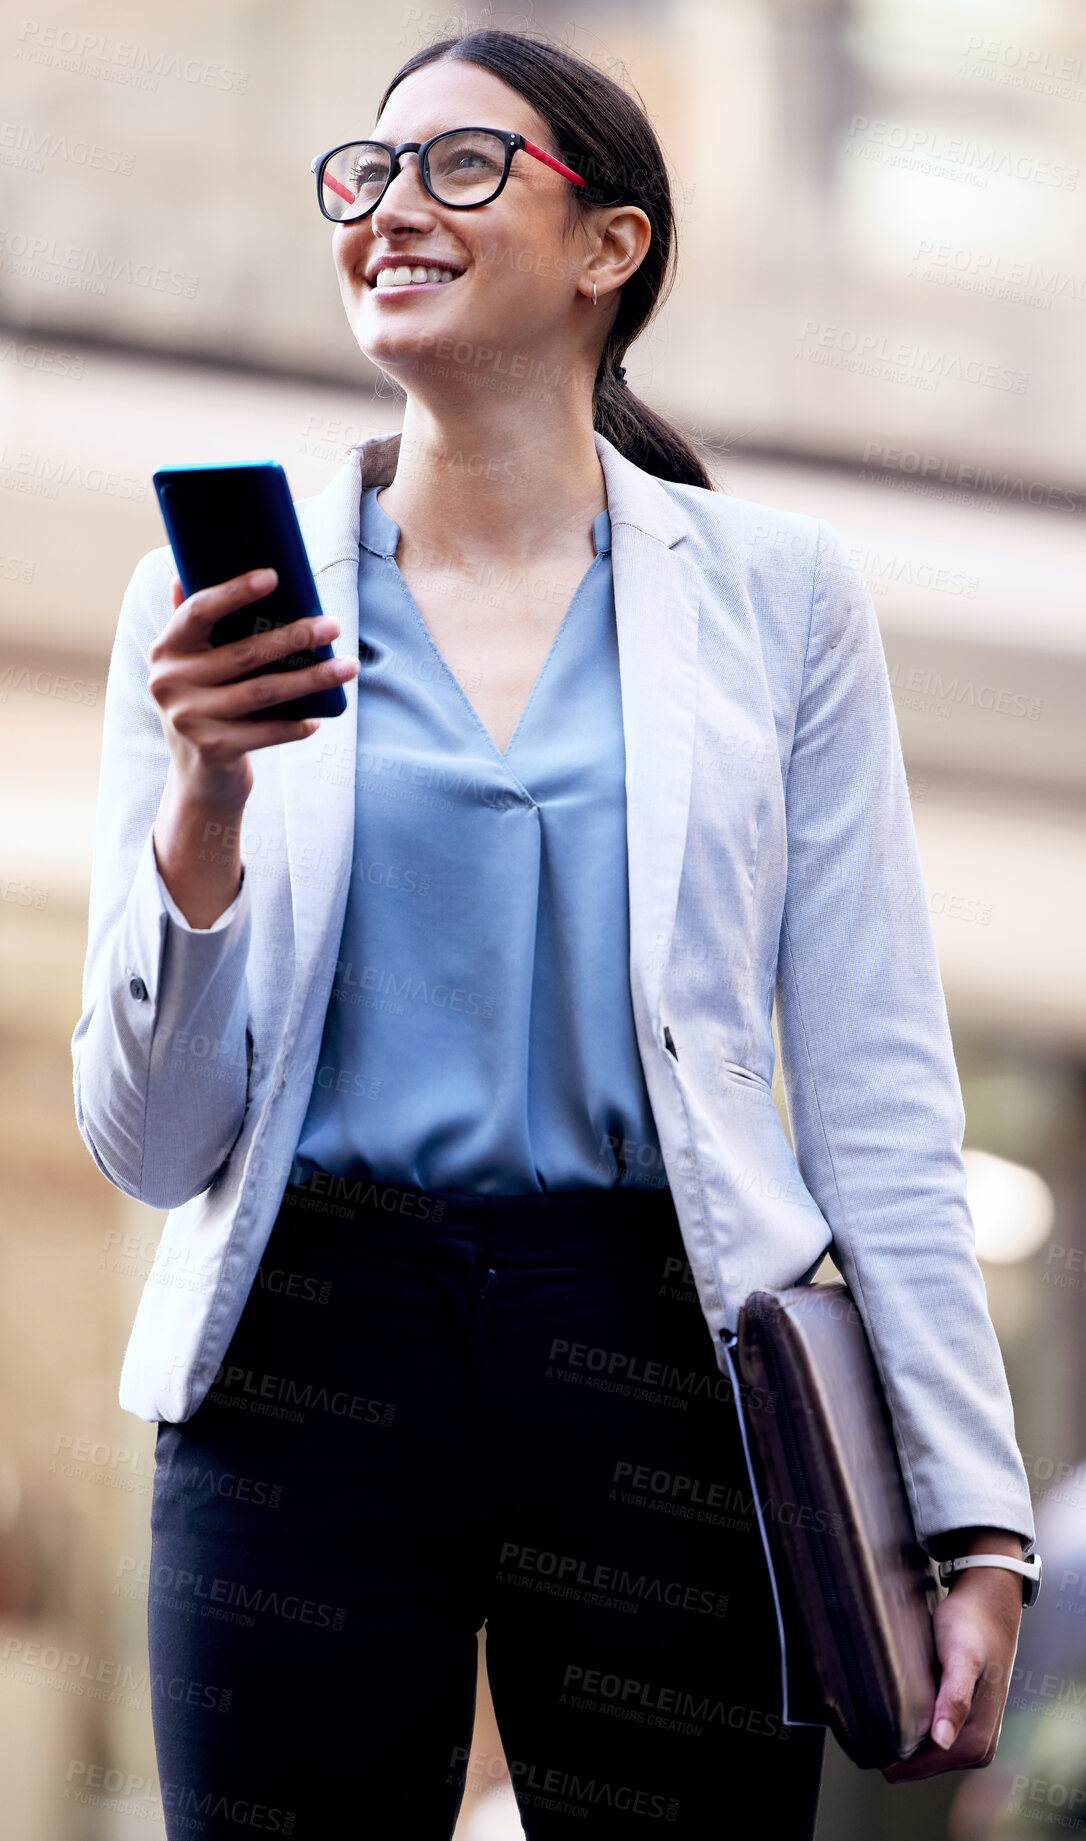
(290, 532)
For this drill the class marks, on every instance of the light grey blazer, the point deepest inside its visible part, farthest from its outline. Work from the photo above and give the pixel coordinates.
(771, 855)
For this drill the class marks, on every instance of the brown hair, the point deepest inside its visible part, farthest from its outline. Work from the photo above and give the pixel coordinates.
(604, 135)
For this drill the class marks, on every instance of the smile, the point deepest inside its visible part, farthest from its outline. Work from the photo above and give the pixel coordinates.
(418, 276)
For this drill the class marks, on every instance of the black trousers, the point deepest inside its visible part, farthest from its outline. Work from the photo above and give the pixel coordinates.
(437, 1411)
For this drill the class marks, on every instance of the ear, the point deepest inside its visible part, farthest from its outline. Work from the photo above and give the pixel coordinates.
(625, 234)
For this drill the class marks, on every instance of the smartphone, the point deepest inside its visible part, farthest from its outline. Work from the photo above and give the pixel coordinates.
(223, 521)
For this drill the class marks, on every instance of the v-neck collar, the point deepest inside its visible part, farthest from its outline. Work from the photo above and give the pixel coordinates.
(380, 535)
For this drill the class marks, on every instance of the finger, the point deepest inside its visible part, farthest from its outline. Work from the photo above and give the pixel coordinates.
(222, 664)
(974, 1747)
(271, 733)
(229, 702)
(302, 635)
(957, 1709)
(207, 606)
(954, 1699)
(191, 704)
(235, 738)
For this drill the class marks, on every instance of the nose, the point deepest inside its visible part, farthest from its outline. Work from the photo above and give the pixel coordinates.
(414, 197)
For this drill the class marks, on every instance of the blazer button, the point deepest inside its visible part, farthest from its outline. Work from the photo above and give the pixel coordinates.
(137, 988)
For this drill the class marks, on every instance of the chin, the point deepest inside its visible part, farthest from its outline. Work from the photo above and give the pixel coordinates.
(401, 360)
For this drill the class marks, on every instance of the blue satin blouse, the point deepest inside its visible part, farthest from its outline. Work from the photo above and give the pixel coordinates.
(480, 1035)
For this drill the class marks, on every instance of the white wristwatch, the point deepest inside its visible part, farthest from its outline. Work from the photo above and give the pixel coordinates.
(1029, 1569)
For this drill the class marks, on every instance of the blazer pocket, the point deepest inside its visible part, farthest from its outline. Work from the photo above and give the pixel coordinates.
(744, 1077)
(248, 1069)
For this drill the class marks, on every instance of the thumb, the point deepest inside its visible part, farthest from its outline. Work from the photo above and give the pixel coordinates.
(954, 1699)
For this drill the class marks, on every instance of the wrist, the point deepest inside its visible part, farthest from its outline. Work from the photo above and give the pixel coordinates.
(216, 795)
(197, 850)
(985, 1563)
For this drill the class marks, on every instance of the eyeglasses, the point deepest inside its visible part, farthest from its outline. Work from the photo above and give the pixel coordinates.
(461, 168)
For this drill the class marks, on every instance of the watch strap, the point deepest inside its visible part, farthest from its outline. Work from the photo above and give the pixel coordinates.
(1030, 1570)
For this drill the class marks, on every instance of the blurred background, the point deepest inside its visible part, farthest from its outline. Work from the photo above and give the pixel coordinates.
(879, 318)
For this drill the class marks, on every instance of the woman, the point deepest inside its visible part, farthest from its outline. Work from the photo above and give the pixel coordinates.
(457, 1085)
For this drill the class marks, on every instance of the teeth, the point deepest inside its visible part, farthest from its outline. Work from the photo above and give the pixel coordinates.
(398, 277)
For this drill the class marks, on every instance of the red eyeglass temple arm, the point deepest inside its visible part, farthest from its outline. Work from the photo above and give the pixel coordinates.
(529, 147)
(549, 160)
(334, 186)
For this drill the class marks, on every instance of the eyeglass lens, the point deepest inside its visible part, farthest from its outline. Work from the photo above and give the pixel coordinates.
(464, 167)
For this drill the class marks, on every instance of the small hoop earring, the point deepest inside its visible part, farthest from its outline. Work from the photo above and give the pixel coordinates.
(594, 301)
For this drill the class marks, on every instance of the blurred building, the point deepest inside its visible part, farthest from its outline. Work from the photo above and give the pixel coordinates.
(879, 318)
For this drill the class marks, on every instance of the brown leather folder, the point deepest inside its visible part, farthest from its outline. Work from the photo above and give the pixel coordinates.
(857, 1591)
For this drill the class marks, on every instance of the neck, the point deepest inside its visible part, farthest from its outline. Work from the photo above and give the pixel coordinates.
(492, 480)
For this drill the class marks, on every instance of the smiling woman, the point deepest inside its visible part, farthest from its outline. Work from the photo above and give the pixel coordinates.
(505, 1112)
(553, 271)
(507, 220)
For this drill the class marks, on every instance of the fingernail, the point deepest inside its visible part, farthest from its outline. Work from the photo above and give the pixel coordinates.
(943, 1734)
(263, 578)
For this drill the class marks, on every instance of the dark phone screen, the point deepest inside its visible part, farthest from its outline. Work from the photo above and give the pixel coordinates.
(224, 521)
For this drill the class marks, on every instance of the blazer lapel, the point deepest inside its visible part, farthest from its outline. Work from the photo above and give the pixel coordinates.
(656, 613)
(319, 807)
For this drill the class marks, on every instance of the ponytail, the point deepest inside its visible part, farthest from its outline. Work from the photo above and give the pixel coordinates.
(652, 443)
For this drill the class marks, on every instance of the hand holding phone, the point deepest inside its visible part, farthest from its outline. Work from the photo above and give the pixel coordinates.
(226, 521)
(213, 718)
(216, 669)
(218, 703)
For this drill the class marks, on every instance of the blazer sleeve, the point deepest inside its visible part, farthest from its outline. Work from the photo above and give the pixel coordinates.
(161, 1054)
(872, 1090)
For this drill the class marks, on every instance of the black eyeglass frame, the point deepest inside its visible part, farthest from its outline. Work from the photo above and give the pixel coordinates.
(512, 141)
